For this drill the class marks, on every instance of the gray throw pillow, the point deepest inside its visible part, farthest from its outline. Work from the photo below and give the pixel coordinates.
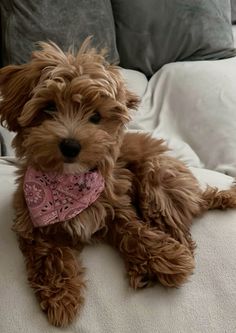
(233, 11)
(0, 42)
(66, 22)
(151, 33)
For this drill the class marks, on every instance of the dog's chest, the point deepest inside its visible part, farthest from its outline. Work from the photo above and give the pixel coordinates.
(115, 197)
(88, 222)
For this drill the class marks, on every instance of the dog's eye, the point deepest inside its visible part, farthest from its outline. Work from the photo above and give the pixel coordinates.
(95, 118)
(50, 108)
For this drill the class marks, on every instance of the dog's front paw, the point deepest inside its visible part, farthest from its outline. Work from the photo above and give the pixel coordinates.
(57, 278)
(62, 299)
(62, 311)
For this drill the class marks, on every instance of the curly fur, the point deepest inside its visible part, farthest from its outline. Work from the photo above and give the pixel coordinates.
(149, 199)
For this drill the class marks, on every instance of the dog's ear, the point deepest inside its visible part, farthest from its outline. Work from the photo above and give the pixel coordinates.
(132, 100)
(16, 84)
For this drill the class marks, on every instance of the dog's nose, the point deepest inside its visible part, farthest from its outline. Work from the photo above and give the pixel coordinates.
(69, 147)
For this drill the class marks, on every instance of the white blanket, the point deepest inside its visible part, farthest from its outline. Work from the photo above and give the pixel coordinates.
(193, 106)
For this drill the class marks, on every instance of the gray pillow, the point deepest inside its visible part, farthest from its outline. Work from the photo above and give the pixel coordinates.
(233, 11)
(0, 42)
(66, 22)
(152, 33)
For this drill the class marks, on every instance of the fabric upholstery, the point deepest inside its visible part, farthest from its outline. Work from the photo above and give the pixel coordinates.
(66, 22)
(152, 33)
(233, 11)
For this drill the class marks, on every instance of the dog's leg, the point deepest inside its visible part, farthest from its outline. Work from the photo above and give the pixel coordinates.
(219, 199)
(168, 197)
(53, 269)
(56, 277)
(150, 254)
(165, 192)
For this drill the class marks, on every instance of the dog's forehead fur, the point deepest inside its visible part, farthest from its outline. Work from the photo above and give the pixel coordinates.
(84, 74)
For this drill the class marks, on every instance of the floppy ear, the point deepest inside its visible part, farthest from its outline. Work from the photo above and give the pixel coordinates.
(18, 81)
(16, 84)
(123, 95)
(132, 100)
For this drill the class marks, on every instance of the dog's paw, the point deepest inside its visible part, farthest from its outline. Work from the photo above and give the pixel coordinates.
(61, 309)
(56, 276)
(139, 280)
(62, 313)
(174, 280)
(171, 266)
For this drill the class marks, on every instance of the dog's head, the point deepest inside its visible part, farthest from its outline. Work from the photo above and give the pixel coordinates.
(68, 111)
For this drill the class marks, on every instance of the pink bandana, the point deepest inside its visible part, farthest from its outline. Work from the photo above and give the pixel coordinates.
(53, 197)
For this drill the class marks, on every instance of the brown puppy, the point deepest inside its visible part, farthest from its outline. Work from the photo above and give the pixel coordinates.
(69, 113)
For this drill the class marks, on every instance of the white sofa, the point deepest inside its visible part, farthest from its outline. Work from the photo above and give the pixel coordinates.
(192, 105)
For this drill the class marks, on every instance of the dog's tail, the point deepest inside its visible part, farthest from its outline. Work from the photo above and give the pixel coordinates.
(214, 198)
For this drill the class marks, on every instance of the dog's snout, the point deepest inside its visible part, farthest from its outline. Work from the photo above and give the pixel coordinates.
(69, 148)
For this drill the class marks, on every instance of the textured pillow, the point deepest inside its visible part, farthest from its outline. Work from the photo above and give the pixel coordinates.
(152, 33)
(66, 22)
(233, 11)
